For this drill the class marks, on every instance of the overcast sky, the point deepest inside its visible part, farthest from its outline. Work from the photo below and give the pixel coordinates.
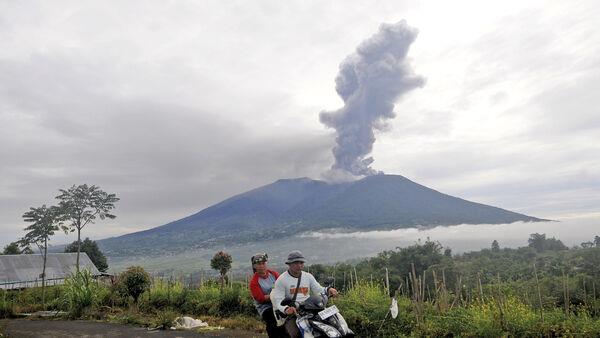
(176, 105)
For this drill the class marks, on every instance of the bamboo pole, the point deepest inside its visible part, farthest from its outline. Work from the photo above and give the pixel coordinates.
(594, 296)
(416, 297)
(585, 303)
(457, 292)
(565, 294)
(334, 276)
(423, 287)
(537, 282)
(480, 288)
(436, 291)
(500, 303)
(387, 282)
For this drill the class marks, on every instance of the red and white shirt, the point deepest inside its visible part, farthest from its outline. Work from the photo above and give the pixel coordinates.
(261, 286)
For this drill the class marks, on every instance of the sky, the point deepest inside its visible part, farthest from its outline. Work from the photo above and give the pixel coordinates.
(176, 105)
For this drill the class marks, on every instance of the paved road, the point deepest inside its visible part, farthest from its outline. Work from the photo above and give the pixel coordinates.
(26, 328)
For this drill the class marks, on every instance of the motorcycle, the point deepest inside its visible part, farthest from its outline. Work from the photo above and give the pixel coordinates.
(316, 319)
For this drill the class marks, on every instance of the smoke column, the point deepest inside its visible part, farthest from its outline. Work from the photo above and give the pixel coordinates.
(369, 81)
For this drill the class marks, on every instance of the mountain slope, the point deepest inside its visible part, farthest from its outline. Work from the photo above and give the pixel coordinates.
(290, 206)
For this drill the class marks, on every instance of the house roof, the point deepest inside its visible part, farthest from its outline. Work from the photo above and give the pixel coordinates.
(27, 268)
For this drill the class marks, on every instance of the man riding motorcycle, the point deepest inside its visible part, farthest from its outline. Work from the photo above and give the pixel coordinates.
(297, 285)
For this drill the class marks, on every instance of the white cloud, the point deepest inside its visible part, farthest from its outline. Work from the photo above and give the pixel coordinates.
(177, 105)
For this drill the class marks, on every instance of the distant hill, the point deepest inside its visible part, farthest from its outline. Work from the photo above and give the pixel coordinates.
(290, 206)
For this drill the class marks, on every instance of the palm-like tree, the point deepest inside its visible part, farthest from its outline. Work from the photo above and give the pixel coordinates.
(44, 222)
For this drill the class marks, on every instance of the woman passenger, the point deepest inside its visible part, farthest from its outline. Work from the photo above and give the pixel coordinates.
(260, 288)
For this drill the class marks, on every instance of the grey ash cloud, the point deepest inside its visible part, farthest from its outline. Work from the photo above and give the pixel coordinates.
(370, 81)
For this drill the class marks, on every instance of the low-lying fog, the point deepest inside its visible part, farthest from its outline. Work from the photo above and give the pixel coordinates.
(332, 247)
(468, 237)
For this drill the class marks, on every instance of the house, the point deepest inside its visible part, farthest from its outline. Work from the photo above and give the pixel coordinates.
(23, 271)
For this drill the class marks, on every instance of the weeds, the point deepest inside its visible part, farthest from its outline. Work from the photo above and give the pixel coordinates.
(81, 292)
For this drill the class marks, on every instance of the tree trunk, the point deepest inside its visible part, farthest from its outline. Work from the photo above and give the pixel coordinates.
(78, 247)
(44, 274)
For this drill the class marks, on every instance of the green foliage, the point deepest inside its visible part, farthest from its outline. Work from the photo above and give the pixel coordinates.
(44, 222)
(12, 249)
(540, 243)
(221, 262)
(91, 249)
(495, 246)
(400, 262)
(497, 295)
(163, 294)
(6, 305)
(81, 292)
(204, 301)
(134, 281)
(207, 300)
(231, 302)
(365, 307)
(81, 205)
(164, 319)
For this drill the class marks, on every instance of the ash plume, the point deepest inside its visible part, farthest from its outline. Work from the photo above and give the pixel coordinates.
(369, 81)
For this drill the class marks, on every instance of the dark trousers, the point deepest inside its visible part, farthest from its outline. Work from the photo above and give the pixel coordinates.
(273, 330)
(291, 328)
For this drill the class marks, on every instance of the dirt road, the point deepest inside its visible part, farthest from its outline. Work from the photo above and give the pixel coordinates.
(26, 328)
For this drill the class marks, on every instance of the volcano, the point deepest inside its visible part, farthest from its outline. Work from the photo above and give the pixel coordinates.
(291, 206)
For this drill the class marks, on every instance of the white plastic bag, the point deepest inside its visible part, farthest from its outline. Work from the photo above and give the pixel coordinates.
(187, 323)
(394, 308)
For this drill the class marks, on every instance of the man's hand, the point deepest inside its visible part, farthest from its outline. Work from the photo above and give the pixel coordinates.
(290, 310)
(333, 292)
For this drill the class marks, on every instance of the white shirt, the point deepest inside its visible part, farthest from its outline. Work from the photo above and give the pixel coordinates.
(286, 285)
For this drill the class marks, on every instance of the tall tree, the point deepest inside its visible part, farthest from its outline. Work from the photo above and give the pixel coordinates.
(15, 248)
(537, 241)
(81, 205)
(91, 249)
(12, 249)
(495, 246)
(45, 221)
(221, 262)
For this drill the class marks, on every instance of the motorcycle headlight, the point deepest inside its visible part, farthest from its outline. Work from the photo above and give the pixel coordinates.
(328, 330)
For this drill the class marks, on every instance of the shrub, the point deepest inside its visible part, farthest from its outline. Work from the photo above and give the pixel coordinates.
(365, 306)
(221, 262)
(164, 319)
(134, 281)
(204, 301)
(7, 309)
(163, 294)
(229, 302)
(114, 295)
